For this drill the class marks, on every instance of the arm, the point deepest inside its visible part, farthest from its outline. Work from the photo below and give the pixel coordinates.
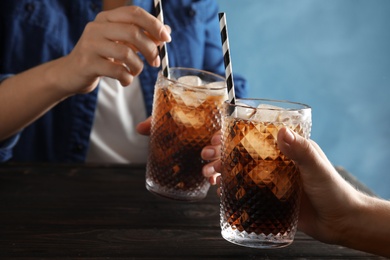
(21, 105)
(108, 47)
(370, 228)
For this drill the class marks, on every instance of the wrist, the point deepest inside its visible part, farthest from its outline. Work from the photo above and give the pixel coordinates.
(57, 79)
(354, 220)
(368, 226)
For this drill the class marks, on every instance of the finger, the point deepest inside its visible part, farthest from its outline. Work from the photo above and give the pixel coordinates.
(109, 68)
(218, 182)
(295, 147)
(217, 138)
(168, 28)
(217, 166)
(95, 42)
(211, 169)
(208, 170)
(157, 42)
(129, 40)
(138, 16)
(212, 152)
(313, 167)
(299, 149)
(122, 54)
(144, 127)
(214, 179)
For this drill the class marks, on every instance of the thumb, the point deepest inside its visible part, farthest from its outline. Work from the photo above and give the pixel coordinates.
(143, 128)
(295, 146)
(312, 162)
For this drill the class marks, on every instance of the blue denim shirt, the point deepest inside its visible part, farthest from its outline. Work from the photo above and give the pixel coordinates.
(36, 31)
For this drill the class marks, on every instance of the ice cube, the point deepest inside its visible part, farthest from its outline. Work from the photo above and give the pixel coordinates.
(244, 111)
(217, 88)
(190, 80)
(270, 113)
(289, 116)
(193, 98)
(177, 93)
(267, 113)
(187, 96)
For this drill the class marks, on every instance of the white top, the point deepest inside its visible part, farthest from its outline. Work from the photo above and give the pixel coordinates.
(114, 138)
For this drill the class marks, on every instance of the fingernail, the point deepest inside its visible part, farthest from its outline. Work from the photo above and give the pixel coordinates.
(208, 153)
(165, 36)
(289, 137)
(208, 171)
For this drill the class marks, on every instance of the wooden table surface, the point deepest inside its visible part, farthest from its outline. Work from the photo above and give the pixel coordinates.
(105, 212)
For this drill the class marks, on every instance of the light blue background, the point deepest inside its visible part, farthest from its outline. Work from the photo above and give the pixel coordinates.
(331, 54)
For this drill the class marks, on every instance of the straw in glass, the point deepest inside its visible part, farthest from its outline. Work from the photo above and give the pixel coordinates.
(162, 49)
(226, 58)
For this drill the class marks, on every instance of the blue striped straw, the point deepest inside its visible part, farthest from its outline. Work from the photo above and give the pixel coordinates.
(226, 58)
(162, 49)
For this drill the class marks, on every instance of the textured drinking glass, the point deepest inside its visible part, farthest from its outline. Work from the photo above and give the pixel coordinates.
(186, 113)
(260, 187)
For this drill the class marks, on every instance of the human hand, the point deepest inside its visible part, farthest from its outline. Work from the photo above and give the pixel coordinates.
(109, 46)
(328, 200)
(331, 210)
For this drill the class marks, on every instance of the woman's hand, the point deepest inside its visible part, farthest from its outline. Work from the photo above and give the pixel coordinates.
(110, 45)
(212, 153)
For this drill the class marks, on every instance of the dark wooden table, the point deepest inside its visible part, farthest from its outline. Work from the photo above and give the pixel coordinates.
(105, 212)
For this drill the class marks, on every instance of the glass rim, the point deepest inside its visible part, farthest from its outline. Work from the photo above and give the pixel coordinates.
(302, 106)
(199, 71)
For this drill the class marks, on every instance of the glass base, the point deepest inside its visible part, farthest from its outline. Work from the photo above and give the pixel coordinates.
(257, 241)
(188, 195)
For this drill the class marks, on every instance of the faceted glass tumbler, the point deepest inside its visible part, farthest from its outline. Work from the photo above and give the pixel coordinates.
(260, 186)
(186, 113)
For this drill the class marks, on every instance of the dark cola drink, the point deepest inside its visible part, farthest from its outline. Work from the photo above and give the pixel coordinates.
(186, 113)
